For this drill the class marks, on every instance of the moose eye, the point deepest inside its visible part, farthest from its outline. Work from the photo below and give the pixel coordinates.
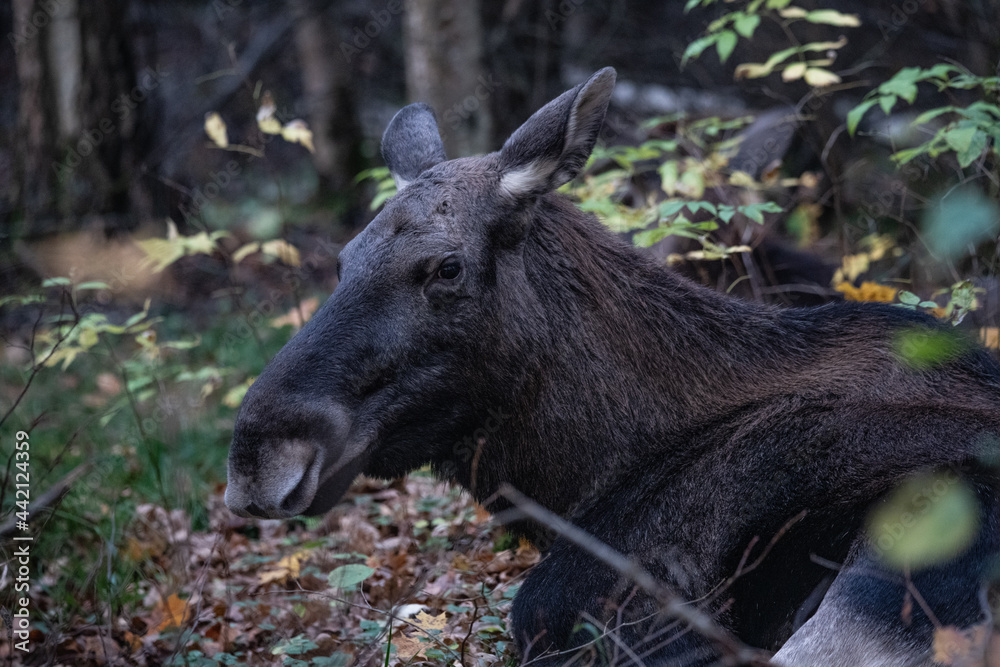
(449, 271)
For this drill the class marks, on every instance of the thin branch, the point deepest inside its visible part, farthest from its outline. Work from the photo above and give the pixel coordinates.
(736, 652)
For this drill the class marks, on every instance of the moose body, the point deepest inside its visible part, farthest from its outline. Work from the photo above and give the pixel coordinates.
(681, 427)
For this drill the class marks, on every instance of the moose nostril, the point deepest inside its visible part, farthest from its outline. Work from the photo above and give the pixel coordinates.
(254, 509)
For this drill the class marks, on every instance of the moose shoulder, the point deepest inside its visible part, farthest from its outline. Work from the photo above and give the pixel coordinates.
(671, 422)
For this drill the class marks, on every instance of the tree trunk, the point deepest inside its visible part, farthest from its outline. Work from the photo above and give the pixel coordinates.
(79, 107)
(444, 48)
(326, 87)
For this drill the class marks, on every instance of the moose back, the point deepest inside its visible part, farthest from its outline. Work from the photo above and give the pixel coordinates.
(673, 423)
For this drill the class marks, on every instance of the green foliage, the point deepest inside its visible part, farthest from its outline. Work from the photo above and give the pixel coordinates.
(971, 127)
(385, 185)
(684, 179)
(795, 62)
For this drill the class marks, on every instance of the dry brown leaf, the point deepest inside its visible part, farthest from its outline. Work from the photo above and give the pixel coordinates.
(173, 613)
(215, 128)
(427, 622)
(407, 648)
(960, 648)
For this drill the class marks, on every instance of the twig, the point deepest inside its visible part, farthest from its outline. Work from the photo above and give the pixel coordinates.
(51, 496)
(671, 605)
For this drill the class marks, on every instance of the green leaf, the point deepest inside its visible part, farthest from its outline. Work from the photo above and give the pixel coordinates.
(855, 115)
(932, 114)
(886, 103)
(347, 576)
(928, 520)
(832, 17)
(670, 208)
(650, 237)
(725, 44)
(94, 284)
(975, 148)
(903, 84)
(777, 4)
(697, 47)
(959, 139)
(958, 220)
(53, 282)
(909, 298)
(746, 24)
(726, 213)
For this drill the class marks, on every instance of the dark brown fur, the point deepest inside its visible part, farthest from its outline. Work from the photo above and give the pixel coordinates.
(674, 423)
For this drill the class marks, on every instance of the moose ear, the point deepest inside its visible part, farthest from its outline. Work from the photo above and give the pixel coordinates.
(412, 144)
(553, 145)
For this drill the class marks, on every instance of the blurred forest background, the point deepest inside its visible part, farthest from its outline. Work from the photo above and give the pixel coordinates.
(177, 178)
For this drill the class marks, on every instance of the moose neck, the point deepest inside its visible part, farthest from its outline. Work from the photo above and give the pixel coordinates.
(630, 352)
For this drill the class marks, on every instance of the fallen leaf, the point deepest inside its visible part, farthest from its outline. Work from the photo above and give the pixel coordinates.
(425, 621)
(407, 648)
(285, 569)
(173, 613)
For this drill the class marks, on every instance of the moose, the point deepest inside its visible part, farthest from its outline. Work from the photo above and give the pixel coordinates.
(683, 428)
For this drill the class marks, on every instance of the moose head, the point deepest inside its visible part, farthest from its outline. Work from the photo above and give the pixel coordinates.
(426, 333)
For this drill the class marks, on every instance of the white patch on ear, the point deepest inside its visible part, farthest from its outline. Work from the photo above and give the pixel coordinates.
(527, 179)
(400, 182)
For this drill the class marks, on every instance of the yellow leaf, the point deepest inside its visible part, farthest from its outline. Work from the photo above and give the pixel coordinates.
(793, 72)
(792, 13)
(425, 621)
(267, 121)
(215, 128)
(283, 250)
(296, 317)
(160, 253)
(234, 396)
(285, 569)
(816, 76)
(244, 251)
(868, 292)
(297, 132)
(174, 612)
(751, 71)
(88, 338)
(990, 337)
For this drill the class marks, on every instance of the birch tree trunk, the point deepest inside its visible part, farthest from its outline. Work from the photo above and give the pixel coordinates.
(443, 42)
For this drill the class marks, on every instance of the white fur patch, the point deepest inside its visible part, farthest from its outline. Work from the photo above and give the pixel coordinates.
(527, 179)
